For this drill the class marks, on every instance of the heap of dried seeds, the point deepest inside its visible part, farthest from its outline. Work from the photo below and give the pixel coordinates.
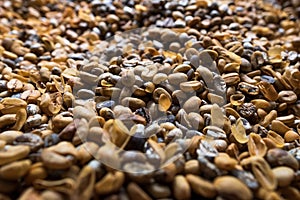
(202, 104)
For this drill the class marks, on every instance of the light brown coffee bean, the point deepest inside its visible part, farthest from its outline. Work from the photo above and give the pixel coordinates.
(237, 99)
(276, 138)
(110, 183)
(190, 86)
(10, 136)
(291, 136)
(201, 186)
(15, 170)
(279, 127)
(133, 103)
(13, 153)
(85, 183)
(268, 91)
(287, 96)
(284, 175)
(263, 173)
(231, 78)
(36, 171)
(192, 167)
(14, 85)
(159, 191)
(224, 162)
(269, 118)
(135, 192)
(65, 185)
(164, 102)
(192, 104)
(230, 187)
(256, 145)
(53, 160)
(279, 157)
(181, 188)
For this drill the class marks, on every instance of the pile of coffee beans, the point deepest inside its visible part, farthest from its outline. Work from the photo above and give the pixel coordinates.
(149, 99)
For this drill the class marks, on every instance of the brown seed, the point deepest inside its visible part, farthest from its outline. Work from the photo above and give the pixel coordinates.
(2, 144)
(284, 175)
(10, 136)
(291, 136)
(224, 162)
(110, 183)
(133, 103)
(158, 190)
(135, 192)
(21, 116)
(239, 133)
(269, 118)
(14, 85)
(31, 57)
(158, 92)
(53, 160)
(268, 91)
(263, 173)
(36, 171)
(201, 186)
(279, 157)
(230, 187)
(276, 138)
(256, 146)
(230, 57)
(231, 78)
(85, 183)
(192, 104)
(286, 119)
(164, 102)
(29, 193)
(190, 86)
(64, 148)
(13, 153)
(181, 188)
(51, 104)
(12, 105)
(248, 88)
(232, 67)
(9, 55)
(65, 185)
(289, 193)
(237, 99)
(7, 120)
(31, 96)
(279, 127)
(15, 170)
(287, 96)
(192, 167)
